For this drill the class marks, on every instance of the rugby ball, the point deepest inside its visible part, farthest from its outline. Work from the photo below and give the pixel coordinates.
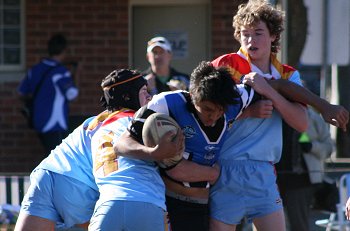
(154, 128)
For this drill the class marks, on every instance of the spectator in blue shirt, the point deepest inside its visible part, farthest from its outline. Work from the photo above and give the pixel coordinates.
(50, 85)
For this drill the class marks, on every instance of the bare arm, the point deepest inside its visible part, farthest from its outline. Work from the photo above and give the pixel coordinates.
(192, 172)
(288, 110)
(260, 109)
(184, 171)
(129, 147)
(334, 114)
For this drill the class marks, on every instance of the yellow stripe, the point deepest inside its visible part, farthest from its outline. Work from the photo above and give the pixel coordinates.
(103, 116)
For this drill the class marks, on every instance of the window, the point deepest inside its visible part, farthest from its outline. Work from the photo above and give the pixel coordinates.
(11, 36)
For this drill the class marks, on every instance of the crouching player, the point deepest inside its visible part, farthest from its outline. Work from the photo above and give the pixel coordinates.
(63, 188)
(132, 193)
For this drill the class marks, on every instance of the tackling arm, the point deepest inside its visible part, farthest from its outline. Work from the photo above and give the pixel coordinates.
(334, 114)
(128, 146)
(192, 172)
(288, 110)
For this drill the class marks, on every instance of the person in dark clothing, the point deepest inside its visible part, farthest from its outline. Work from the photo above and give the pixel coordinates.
(160, 75)
(50, 86)
(301, 168)
(293, 181)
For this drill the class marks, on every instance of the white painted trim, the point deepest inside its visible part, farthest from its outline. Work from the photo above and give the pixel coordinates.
(15, 189)
(167, 2)
(21, 65)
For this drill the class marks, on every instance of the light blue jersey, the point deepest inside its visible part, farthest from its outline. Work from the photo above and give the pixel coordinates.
(132, 194)
(254, 138)
(122, 178)
(247, 183)
(68, 168)
(73, 156)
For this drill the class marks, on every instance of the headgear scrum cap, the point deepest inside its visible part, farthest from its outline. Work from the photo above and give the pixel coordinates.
(121, 89)
(158, 42)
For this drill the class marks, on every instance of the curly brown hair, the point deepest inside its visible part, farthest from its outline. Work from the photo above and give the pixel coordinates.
(259, 10)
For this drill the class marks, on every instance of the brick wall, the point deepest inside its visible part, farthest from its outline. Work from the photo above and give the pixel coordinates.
(222, 32)
(98, 35)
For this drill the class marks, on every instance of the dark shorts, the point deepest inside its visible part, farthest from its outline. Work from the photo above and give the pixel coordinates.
(187, 216)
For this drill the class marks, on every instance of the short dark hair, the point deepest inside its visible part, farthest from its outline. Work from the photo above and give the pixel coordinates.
(56, 44)
(213, 84)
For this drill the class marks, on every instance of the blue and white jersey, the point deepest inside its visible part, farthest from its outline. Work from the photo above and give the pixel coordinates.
(73, 156)
(202, 144)
(123, 178)
(51, 102)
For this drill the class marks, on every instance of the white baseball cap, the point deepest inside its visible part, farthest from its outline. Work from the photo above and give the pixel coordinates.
(158, 42)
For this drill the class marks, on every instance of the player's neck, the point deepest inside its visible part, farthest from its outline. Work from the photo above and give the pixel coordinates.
(263, 65)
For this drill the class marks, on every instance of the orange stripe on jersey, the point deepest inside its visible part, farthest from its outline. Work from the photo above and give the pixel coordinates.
(239, 65)
(284, 70)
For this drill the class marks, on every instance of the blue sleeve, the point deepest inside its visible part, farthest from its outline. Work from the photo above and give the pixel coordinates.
(25, 87)
(295, 78)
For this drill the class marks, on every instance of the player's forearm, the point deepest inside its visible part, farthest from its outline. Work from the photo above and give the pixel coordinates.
(127, 146)
(189, 171)
(292, 113)
(334, 114)
(297, 93)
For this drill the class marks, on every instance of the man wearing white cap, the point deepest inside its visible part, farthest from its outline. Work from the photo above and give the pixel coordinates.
(160, 75)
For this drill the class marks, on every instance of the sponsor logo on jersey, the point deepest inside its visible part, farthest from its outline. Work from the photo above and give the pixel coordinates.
(189, 131)
(211, 152)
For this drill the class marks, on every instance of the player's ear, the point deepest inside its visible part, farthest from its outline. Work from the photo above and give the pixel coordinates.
(273, 38)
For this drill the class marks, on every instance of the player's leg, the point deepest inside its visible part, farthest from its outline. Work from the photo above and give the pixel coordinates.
(216, 225)
(26, 222)
(37, 211)
(272, 222)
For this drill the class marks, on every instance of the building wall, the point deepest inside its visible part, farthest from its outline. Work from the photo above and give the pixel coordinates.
(98, 35)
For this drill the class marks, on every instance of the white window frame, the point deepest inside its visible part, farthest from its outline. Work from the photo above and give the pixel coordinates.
(5, 68)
